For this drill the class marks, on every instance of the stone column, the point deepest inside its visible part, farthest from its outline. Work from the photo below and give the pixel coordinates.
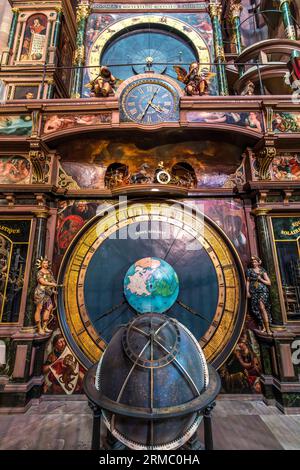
(215, 9)
(285, 9)
(41, 215)
(83, 11)
(265, 245)
(235, 13)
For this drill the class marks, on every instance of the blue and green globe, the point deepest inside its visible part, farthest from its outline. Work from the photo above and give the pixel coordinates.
(151, 285)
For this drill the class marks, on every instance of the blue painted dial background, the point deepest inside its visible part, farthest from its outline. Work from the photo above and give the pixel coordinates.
(165, 48)
(103, 289)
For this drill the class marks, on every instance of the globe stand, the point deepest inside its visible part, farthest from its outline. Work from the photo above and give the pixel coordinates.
(112, 443)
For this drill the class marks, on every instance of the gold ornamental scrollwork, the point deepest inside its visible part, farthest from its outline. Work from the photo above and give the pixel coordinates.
(264, 160)
(38, 162)
(65, 181)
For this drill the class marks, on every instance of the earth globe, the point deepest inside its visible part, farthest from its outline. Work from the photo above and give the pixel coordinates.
(151, 285)
(152, 383)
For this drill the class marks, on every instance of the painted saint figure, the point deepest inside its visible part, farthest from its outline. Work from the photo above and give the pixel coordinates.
(43, 295)
(258, 283)
(34, 38)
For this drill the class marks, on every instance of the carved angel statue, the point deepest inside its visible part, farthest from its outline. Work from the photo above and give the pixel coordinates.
(196, 80)
(44, 295)
(104, 84)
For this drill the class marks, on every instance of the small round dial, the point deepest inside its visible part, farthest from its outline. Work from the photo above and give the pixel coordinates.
(149, 101)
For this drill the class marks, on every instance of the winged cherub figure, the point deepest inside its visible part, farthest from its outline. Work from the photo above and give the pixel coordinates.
(104, 84)
(196, 80)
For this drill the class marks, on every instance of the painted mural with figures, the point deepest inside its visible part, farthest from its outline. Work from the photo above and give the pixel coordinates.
(252, 121)
(15, 125)
(55, 123)
(286, 122)
(286, 167)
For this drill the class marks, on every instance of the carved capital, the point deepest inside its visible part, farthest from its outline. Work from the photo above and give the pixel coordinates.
(235, 9)
(260, 211)
(281, 2)
(82, 12)
(215, 9)
(41, 214)
(15, 11)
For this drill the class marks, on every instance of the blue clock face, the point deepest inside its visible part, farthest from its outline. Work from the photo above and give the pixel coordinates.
(150, 101)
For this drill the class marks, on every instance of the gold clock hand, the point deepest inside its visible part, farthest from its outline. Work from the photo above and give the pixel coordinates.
(149, 103)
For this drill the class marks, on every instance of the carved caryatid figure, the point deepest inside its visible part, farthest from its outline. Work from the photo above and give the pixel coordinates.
(44, 295)
(258, 283)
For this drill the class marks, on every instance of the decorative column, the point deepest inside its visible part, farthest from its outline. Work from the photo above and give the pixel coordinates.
(235, 13)
(265, 245)
(83, 12)
(57, 26)
(285, 9)
(215, 9)
(39, 245)
(13, 28)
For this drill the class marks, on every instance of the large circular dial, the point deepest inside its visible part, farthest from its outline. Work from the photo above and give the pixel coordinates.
(127, 45)
(141, 50)
(149, 101)
(210, 299)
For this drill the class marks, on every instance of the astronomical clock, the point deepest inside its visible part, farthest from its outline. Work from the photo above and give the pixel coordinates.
(148, 48)
(151, 257)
